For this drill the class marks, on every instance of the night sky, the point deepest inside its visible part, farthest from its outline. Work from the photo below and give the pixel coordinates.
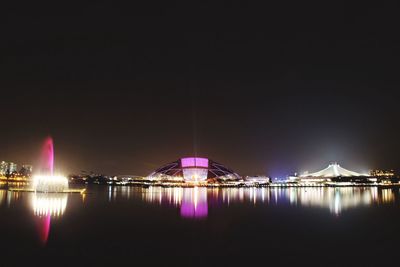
(262, 88)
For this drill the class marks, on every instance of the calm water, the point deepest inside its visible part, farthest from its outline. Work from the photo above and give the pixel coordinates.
(115, 226)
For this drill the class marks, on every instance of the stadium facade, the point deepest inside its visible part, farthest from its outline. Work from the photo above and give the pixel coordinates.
(333, 174)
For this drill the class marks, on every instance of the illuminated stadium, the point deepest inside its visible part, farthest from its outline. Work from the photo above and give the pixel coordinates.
(333, 170)
(194, 170)
(333, 174)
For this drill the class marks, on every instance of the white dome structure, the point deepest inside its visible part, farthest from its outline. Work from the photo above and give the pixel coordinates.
(333, 170)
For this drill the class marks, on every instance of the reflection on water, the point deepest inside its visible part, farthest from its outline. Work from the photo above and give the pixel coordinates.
(192, 201)
(3, 195)
(387, 196)
(49, 204)
(336, 200)
(7, 197)
(195, 202)
(236, 225)
(43, 227)
(45, 207)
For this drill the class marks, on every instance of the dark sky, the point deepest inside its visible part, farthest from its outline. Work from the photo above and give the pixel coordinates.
(269, 88)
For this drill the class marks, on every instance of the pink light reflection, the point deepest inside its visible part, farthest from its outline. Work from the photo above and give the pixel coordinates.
(194, 203)
(43, 224)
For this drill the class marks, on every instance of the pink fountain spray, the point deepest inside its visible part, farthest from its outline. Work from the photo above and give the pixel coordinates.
(47, 205)
(47, 158)
(46, 181)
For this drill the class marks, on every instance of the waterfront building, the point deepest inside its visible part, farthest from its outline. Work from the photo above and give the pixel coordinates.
(8, 168)
(385, 176)
(194, 170)
(26, 170)
(12, 167)
(257, 180)
(3, 168)
(334, 173)
(382, 173)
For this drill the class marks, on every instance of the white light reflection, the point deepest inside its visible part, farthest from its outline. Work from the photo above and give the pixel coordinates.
(334, 200)
(53, 205)
(192, 202)
(3, 194)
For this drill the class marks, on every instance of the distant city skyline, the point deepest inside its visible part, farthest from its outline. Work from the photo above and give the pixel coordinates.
(9, 167)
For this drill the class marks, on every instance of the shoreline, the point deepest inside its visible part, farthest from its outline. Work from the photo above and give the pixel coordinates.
(145, 185)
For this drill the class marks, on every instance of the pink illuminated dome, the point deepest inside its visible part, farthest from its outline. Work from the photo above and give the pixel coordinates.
(194, 169)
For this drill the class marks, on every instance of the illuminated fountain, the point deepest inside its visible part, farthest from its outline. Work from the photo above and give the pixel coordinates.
(46, 206)
(50, 184)
(47, 182)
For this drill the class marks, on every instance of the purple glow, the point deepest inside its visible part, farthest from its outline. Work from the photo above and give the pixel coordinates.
(194, 203)
(202, 162)
(194, 162)
(188, 162)
(47, 158)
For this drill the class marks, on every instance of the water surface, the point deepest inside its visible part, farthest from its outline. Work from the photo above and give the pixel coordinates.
(130, 226)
